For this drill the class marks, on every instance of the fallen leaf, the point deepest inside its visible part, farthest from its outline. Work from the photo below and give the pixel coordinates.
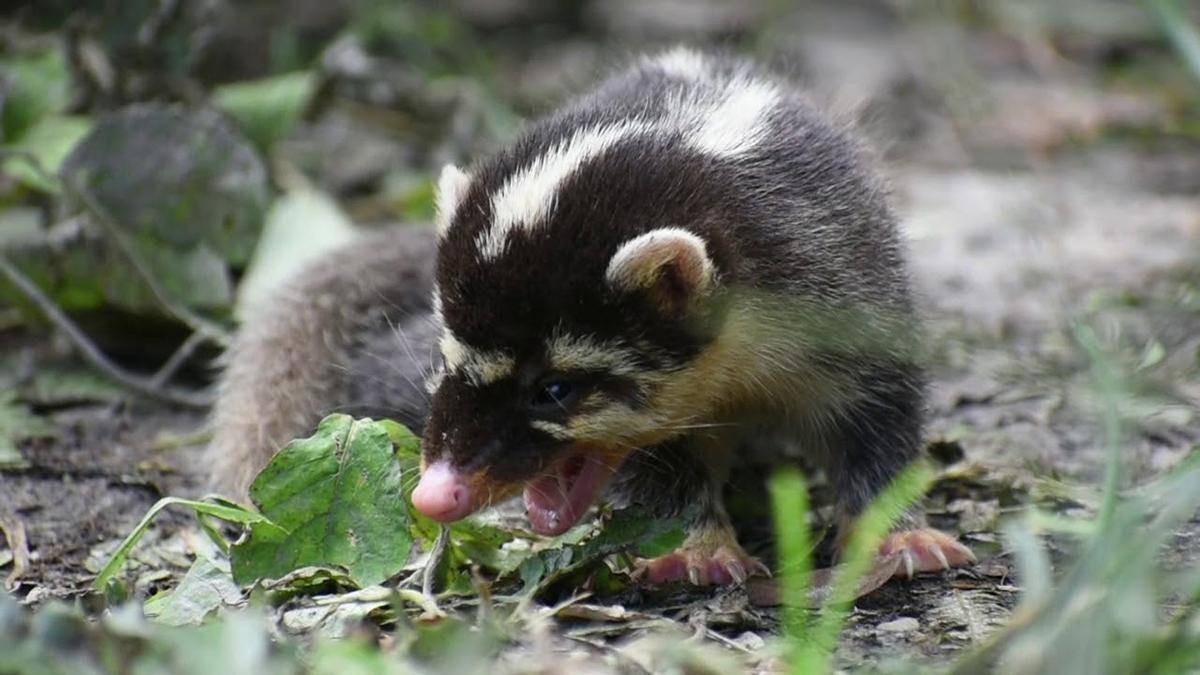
(765, 592)
(205, 588)
(337, 498)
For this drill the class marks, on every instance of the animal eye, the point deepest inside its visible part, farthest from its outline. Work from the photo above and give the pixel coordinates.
(553, 394)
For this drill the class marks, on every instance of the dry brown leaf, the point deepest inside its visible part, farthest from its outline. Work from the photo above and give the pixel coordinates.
(765, 592)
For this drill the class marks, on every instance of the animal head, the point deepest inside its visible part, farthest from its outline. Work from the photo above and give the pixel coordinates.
(579, 279)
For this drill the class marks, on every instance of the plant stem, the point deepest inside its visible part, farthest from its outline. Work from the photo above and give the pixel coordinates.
(91, 352)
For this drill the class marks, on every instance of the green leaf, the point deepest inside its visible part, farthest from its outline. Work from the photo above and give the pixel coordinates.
(569, 552)
(267, 109)
(233, 514)
(205, 588)
(300, 227)
(406, 443)
(183, 187)
(38, 86)
(339, 498)
(484, 544)
(48, 141)
(869, 532)
(1154, 355)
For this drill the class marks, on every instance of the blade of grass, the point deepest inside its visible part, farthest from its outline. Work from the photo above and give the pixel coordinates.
(1180, 31)
(814, 655)
(233, 514)
(1032, 561)
(1109, 387)
(1097, 612)
(789, 497)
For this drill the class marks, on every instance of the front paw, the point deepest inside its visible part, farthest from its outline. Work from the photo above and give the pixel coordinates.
(709, 557)
(925, 550)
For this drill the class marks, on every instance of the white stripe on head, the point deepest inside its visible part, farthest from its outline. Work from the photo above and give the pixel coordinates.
(529, 195)
(451, 188)
(570, 352)
(738, 122)
(479, 367)
(681, 62)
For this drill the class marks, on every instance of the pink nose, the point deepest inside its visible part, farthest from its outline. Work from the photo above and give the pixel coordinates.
(443, 493)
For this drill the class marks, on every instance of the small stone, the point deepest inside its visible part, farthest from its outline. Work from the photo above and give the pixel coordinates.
(751, 641)
(905, 624)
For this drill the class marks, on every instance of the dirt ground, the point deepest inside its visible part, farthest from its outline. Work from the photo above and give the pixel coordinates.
(1038, 188)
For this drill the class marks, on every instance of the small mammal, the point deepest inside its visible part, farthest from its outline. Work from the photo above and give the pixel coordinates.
(685, 265)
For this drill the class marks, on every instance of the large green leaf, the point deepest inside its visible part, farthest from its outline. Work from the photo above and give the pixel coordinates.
(267, 109)
(174, 177)
(34, 86)
(338, 497)
(182, 187)
(48, 141)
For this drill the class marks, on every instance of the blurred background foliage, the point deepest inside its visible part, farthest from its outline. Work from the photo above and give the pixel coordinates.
(364, 100)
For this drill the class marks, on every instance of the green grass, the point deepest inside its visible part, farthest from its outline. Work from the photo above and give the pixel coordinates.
(811, 639)
(1108, 597)
(1180, 31)
(1114, 607)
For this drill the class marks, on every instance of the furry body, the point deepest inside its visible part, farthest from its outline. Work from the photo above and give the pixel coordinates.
(687, 263)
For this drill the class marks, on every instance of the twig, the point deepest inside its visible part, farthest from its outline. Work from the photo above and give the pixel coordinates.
(159, 20)
(166, 442)
(196, 322)
(381, 594)
(181, 355)
(431, 565)
(90, 351)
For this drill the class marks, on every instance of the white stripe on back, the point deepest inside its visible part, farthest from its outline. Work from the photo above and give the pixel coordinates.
(736, 124)
(681, 62)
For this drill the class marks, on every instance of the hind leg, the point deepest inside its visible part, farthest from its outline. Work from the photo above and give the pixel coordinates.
(875, 438)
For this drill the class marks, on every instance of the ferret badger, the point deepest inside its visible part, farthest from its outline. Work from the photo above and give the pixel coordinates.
(687, 263)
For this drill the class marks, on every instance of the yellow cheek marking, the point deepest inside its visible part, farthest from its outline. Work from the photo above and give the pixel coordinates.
(614, 424)
(759, 364)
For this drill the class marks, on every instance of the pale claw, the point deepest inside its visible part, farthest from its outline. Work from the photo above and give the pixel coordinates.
(926, 550)
(722, 567)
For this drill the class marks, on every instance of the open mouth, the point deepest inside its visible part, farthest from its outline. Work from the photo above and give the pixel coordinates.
(556, 501)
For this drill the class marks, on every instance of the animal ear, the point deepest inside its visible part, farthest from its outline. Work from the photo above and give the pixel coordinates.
(670, 264)
(451, 188)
